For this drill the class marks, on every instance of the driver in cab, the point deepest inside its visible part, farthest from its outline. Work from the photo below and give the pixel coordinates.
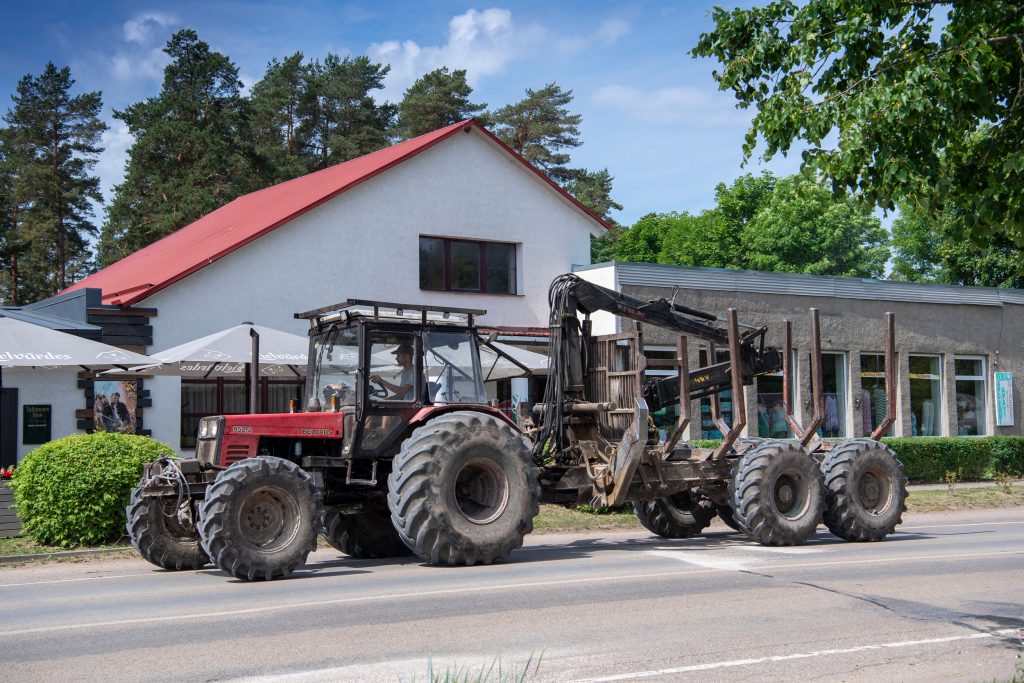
(402, 390)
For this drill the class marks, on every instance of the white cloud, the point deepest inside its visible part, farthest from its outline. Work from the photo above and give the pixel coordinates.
(148, 65)
(143, 56)
(666, 105)
(112, 161)
(611, 30)
(481, 42)
(140, 29)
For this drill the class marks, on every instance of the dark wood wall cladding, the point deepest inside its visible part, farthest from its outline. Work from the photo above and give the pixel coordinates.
(128, 328)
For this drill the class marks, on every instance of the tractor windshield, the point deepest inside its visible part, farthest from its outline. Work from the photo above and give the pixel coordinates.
(453, 368)
(335, 362)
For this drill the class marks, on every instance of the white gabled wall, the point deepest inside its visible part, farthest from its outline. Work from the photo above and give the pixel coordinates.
(365, 244)
(606, 276)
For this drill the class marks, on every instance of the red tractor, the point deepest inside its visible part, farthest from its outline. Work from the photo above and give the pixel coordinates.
(396, 405)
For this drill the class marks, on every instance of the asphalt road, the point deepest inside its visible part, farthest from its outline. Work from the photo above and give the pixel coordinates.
(941, 600)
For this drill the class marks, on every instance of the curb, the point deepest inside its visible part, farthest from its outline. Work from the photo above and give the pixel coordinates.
(6, 559)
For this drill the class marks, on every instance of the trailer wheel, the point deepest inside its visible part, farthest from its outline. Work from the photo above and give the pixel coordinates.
(777, 493)
(365, 535)
(161, 536)
(727, 516)
(683, 515)
(463, 489)
(261, 518)
(865, 490)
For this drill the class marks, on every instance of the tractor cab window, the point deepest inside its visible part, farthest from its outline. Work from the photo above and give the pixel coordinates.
(392, 368)
(453, 368)
(335, 361)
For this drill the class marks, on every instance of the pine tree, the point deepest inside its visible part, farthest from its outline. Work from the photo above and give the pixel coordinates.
(539, 127)
(51, 146)
(437, 99)
(275, 119)
(340, 120)
(192, 150)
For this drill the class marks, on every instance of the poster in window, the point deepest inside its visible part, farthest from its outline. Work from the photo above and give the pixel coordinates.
(114, 406)
(1003, 387)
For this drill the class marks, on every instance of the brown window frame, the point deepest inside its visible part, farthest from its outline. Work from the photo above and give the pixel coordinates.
(483, 246)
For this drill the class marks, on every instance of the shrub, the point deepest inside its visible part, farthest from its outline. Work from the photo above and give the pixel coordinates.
(1008, 454)
(930, 458)
(73, 491)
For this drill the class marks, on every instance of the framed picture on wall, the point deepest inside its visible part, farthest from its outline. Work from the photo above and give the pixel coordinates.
(114, 404)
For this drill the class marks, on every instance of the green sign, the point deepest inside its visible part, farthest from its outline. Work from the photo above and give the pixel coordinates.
(1003, 387)
(36, 422)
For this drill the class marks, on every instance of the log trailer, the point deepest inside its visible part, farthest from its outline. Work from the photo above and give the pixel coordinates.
(399, 452)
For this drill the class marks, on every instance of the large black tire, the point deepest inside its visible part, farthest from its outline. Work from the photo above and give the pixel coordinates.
(683, 515)
(160, 536)
(865, 490)
(728, 517)
(777, 493)
(261, 518)
(464, 490)
(365, 535)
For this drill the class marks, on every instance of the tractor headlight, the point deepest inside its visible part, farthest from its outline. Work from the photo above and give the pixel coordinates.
(208, 428)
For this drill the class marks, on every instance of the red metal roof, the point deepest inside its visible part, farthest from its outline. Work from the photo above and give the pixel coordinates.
(251, 216)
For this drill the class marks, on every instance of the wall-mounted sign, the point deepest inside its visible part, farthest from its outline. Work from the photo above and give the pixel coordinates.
(36, 422)
(1003, 387)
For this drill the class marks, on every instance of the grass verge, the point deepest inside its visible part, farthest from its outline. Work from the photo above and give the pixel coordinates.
(965, 499)
(26, 546)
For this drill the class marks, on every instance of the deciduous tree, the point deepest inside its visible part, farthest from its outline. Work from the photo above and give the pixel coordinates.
(919, 101)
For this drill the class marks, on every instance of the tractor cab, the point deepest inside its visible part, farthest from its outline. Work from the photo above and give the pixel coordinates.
(389, 366)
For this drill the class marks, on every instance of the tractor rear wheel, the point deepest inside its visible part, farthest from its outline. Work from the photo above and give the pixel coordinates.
(777, 493)
(365, 535)
(261, 518)
(865, 490)
(683, 515)
(162, 534)
(463, 489)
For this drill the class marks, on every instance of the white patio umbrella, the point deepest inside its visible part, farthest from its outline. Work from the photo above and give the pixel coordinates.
(226, 354)
(23, 344)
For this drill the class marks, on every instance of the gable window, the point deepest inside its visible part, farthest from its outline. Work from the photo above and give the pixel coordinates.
(456, 265)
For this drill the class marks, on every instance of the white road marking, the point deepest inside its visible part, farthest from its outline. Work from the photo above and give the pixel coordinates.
(955, 526)
(83, 578)
(413, 595)
(710, 560)
(802, 655)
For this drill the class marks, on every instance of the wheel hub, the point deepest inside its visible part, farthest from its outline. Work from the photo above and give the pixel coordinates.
(481, 491)
(790, 495)
(874, 491)
(269, 518)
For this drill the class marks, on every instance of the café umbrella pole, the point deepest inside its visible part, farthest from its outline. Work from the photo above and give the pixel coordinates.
(254, 372)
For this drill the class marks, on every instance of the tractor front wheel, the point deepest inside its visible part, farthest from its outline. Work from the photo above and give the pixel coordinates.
(463, 489)
(164, 533)
(261, 518)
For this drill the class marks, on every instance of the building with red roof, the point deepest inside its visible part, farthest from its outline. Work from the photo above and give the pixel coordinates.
(453, 217)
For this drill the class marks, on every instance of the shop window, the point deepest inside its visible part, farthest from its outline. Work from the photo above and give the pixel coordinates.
(925, 395)
(204, 397)
(453, 265)
(833, 366)
(970, 396)
(771, 408)
(872, 392)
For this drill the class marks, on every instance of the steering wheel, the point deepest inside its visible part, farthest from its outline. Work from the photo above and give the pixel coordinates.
(377, 391)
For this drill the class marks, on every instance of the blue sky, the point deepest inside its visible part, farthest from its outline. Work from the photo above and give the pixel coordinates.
(651, 114)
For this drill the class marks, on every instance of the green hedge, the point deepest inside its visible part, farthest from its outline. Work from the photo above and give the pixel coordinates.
(73, 491)
(928, 459)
